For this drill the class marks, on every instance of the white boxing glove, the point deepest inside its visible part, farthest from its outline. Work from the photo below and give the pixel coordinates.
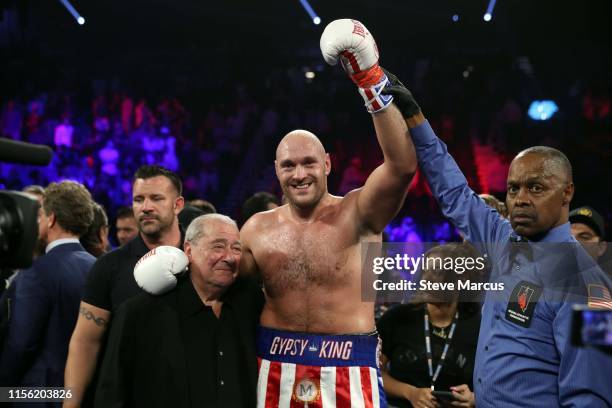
(350, 42)
(155, 271)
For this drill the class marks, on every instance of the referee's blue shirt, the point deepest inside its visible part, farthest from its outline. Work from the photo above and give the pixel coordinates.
(522, 365)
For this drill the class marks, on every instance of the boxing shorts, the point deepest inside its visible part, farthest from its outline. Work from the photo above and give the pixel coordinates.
(318, 371)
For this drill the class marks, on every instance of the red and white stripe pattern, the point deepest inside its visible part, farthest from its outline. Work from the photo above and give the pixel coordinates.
(370, 81)
(286, 385)
(375, 101)
(599, 297)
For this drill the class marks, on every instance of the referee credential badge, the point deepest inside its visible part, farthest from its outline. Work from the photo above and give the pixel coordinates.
(522, 303)
(306, 390)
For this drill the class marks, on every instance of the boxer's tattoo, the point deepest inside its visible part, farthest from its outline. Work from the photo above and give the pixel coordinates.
(90, 316)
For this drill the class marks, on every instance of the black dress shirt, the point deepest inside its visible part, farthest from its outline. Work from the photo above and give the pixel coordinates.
(172, 350)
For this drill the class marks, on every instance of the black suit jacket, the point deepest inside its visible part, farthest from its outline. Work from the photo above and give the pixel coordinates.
(44, 309)
(146, 363)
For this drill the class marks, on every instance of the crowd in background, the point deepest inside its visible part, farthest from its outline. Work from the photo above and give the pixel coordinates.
(209, 92)
(102, 130)
(100, 137)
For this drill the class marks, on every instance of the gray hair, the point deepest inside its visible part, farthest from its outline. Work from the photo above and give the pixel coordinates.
(556, 159)
(197, 229)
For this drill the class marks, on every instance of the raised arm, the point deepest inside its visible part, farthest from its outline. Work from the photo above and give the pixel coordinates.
(382, 196)
(467, 211)
(385, 189)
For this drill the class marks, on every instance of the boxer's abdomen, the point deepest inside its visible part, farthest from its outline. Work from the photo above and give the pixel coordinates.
(317, 310)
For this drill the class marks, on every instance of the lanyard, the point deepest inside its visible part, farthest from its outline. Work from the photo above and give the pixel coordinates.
(434, 376)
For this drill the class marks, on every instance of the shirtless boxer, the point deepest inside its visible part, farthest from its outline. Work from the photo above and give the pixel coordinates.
(317, 342)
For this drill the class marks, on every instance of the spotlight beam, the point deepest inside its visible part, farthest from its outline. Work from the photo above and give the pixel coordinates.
(489, 14)
(79, 19)
(315, 19)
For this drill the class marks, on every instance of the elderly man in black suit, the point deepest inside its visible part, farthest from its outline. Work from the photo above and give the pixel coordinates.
(195, 345)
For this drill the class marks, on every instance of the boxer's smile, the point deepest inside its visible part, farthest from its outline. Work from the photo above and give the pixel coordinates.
(302, 186)
(302, 167)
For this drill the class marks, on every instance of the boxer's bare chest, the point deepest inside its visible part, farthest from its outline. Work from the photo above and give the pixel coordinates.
(296, 257)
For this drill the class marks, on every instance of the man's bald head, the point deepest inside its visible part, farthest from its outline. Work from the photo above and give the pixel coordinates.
(300, 139)
(556, 164)
(302, 167)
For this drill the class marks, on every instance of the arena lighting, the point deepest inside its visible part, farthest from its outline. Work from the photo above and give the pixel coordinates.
(315, 19)
(542, 110)
(80, 19)
(309, 75)
(489, 14)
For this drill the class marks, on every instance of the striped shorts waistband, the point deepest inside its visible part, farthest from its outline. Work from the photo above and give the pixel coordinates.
(317, 350)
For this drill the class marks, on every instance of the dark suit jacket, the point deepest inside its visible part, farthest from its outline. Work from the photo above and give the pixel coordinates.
(145, 364)
(43, 313)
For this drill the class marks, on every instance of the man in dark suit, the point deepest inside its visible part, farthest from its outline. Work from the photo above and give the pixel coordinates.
(195, 345)
(45, 304)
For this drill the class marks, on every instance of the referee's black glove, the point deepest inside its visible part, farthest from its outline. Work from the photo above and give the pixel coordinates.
(402, 97)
